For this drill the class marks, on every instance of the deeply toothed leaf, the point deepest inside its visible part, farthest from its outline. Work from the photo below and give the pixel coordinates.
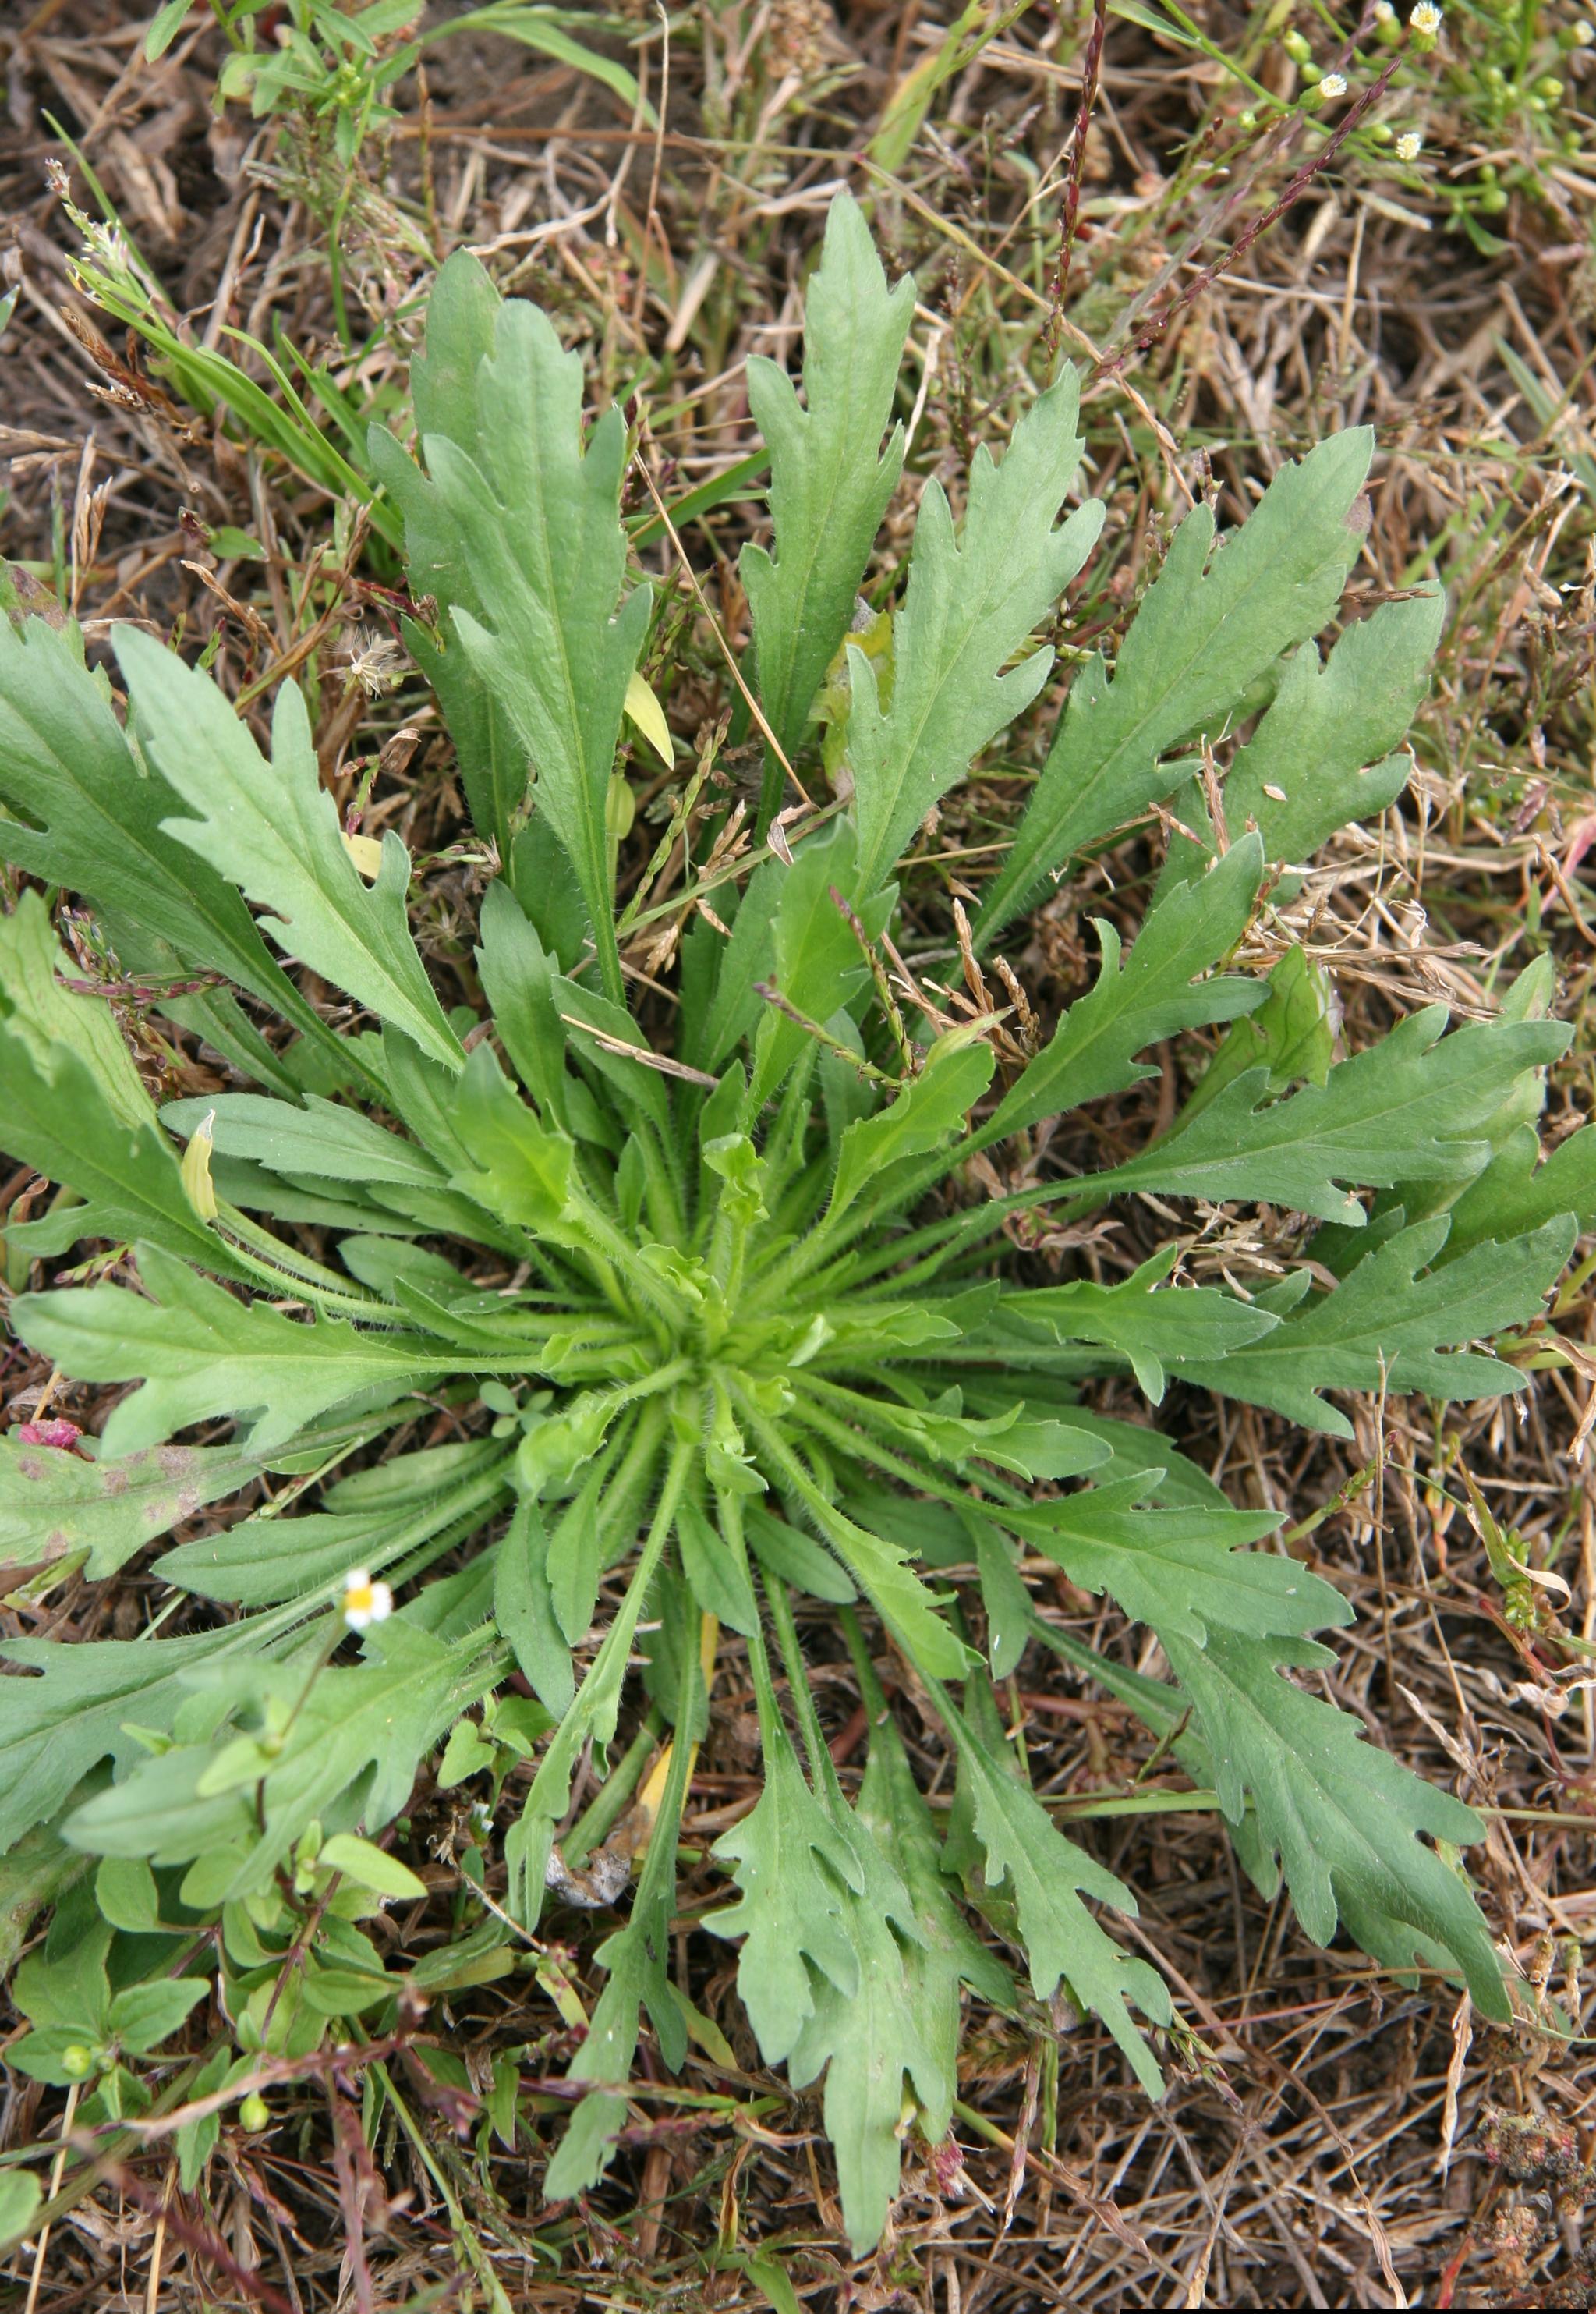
(1409, 1109)
(794, 1869)
(1046, 1876)
(830, 477)
(974, 597)
(1321, 756)
(273, 829)
(75, 1108)
(1180, 1570)
(197, 1352)
(1343, 1817)
(1514, 1194)
(1394, 1323)
(90, 818)
(1148, 1327)
(1139, 1002)
(372, 1721)
(517, 532)
(1212, 622)
(96, 1700)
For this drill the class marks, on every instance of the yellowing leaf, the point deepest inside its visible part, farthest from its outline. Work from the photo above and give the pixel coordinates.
(366, 852)
(646, 711)
(195, 1169)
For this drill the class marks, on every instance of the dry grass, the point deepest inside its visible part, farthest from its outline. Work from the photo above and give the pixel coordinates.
(1320, 2143)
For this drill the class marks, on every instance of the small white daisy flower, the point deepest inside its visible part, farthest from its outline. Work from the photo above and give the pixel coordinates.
(1334, 85)
(1425, 20)
(1409, 146)
(1384, 14)
(1581, 34)
(365, 1602)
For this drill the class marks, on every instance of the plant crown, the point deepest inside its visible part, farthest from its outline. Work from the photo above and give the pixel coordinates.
(743, 1320)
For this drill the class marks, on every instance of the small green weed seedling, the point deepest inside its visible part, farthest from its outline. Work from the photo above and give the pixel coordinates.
(328, 74)
(335, 66)
(686, 1297)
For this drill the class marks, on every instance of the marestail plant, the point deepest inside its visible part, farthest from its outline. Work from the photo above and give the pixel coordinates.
(679, 1226)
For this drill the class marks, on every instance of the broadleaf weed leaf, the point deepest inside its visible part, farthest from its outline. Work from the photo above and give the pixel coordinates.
(77, 1110)
(830, 477)
(1394, 1323)
(82, 813)
(1320, 757)
(1342, 1817)
(974, 597)
(200, 1353)
(1138, 1002)
(1407, 1109)
(518, 533)
(1212, 621)
(274, 830)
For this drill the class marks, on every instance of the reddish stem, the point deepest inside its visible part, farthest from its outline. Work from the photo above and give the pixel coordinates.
(1260, 224)
(1092, 69)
